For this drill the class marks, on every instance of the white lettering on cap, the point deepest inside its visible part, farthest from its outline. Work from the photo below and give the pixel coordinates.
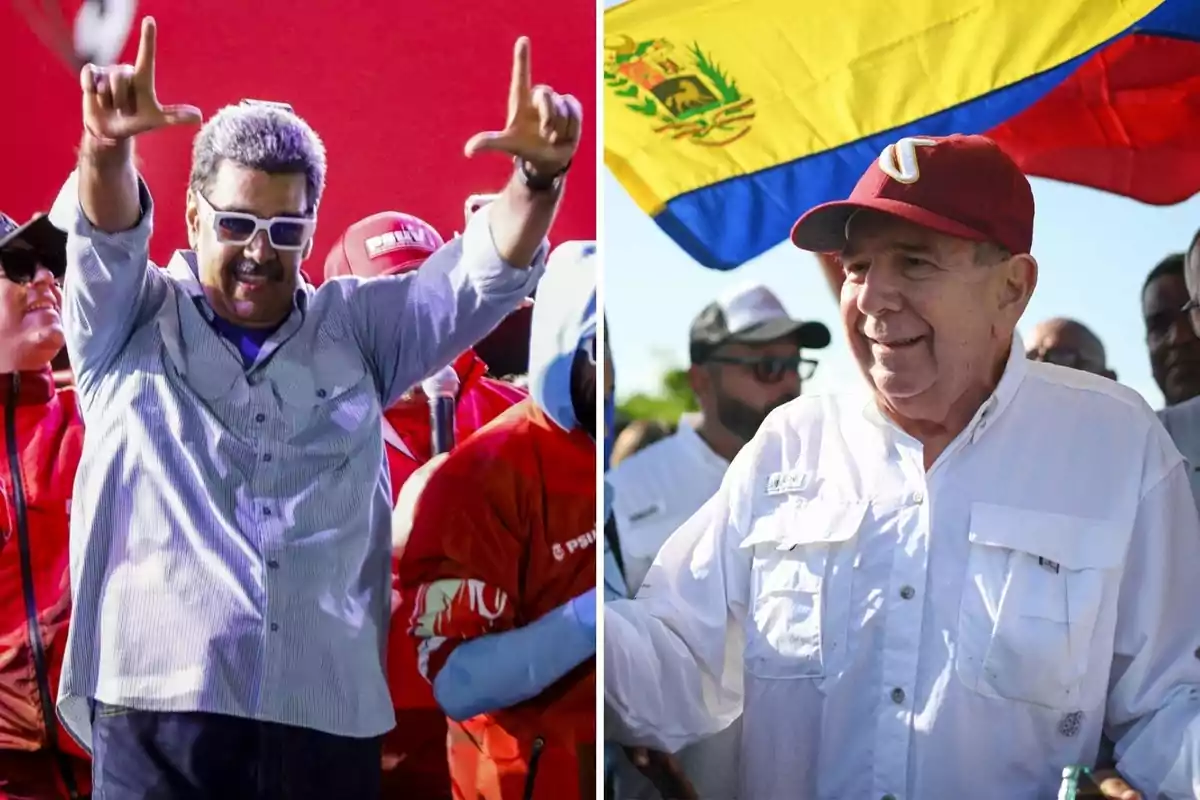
(395, 240)
(899, 161)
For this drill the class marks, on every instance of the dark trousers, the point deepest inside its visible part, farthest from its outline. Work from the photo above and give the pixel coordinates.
(153, 755)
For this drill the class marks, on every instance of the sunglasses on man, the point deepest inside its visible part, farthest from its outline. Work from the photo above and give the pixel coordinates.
(771, 369)
(21, 266)
(24, 249)
(238, 228)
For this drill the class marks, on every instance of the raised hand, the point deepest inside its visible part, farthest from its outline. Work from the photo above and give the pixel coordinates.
(120, 102)
(543, 126)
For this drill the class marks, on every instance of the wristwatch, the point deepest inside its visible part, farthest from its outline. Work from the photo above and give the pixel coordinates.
(540, 183)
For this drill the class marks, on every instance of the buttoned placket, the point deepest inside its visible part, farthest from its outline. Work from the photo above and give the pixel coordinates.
(905, 618)
(903, 623)
(266, 517)
(267, 512)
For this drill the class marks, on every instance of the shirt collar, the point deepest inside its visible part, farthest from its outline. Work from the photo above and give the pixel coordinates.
(35, 387)
(988, 412)
(686, 433)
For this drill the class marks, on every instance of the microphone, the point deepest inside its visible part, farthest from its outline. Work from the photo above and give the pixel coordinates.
(442, 390)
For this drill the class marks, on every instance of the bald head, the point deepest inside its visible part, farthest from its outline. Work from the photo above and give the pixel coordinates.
(1070, 344)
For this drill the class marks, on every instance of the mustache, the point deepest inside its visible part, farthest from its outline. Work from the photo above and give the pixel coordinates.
(271, 270)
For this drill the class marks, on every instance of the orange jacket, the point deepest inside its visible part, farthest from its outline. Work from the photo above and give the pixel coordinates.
(42, 436)
(504, 532)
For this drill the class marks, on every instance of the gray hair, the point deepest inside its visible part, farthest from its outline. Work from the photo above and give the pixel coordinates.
(261, 137)
(991, 253)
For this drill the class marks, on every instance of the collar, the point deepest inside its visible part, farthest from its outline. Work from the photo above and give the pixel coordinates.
(185, 270)
(35, 387)
(686, 433)
(988, 412)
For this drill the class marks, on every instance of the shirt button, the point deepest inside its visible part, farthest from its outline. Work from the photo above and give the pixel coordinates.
(273, 564)
(1197, 652)
(266, 512)
(260, 417)
(897, 696)
(918, 496)
(321, 393)
(907, 592)
(274, 626)
(888, 797)
(267, 458)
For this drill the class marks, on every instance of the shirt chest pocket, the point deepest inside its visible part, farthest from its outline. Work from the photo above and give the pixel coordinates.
(1034, 592)
(334, 395)
(801, 577)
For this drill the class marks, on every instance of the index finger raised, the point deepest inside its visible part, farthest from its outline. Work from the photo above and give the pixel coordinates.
(144, 66)
(519, 90)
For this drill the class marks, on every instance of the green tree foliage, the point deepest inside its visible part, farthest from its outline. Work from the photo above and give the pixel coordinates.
(673, 399)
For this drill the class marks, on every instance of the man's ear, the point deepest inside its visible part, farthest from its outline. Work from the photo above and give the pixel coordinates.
(191, 216)
(1020, 279)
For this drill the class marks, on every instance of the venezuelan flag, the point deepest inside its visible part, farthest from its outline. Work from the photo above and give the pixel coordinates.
(727, 120)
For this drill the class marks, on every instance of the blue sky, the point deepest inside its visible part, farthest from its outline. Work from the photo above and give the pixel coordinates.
(1094, 250)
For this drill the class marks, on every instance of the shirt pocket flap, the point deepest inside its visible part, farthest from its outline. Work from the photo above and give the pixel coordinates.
(813, 522)
(1060, 539)
(328, 379)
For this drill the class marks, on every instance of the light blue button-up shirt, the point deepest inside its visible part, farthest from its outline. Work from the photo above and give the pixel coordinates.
(230, 535)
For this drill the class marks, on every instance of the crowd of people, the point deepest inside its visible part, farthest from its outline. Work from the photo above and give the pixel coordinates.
(959, 579)
(269, 539)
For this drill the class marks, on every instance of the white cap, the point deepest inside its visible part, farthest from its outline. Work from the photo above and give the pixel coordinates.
(752, 314)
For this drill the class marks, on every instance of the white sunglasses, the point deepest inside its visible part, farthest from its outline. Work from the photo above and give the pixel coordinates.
(239, 228)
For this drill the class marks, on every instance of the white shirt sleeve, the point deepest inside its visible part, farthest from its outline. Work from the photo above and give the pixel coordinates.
(1153, 712)
(673, 656)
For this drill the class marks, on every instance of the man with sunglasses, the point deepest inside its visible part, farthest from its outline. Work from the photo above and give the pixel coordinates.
(1069, 344)
(231, 549)
(747, 360)
(41, 435)
(952, 579)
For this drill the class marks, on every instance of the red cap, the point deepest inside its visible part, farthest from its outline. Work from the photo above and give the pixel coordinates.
(387, 243)
(963, 186)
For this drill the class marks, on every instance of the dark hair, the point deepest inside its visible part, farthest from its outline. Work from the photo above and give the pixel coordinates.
(1172, 265)
(260, 136)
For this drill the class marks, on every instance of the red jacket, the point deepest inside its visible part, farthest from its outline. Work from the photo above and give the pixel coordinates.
(42, 436)
(504, 533)
(480, 400)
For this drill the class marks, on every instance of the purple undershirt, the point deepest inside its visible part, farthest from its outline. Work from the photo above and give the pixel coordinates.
(248, 341)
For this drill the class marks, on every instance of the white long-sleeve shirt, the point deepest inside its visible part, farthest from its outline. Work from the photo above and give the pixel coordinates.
(966, 631)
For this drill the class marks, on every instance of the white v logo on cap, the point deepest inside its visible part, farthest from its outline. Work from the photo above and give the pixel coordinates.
(899, 161)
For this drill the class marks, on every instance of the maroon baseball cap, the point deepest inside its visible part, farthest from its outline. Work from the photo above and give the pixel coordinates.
(386, 243)
(963, 186)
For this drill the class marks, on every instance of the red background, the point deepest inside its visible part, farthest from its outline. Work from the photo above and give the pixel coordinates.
(395, 89)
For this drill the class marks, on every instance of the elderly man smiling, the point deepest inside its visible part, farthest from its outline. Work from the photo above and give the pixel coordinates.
(231, 537)
(950, 584)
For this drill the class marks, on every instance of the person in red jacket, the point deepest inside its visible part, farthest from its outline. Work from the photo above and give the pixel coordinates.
(42, 437)
(388, 243)
(502, 557)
